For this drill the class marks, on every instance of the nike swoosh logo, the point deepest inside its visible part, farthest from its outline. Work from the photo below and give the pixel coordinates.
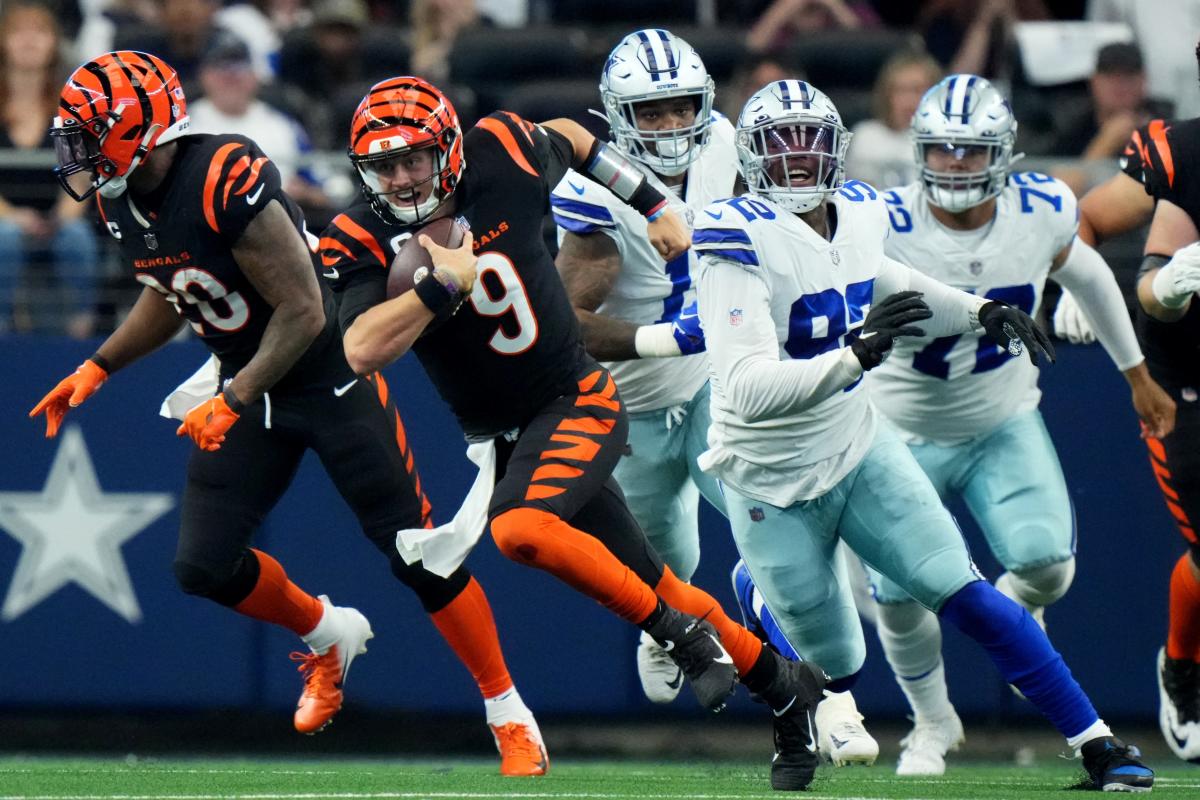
(578, 189)
(724, 658)
(1183, 743)
(677, 681)
(251, 199)
(836, 742)
(812, 744)
(718, 215)
(341, 390)
(785, 709)
(332, 274)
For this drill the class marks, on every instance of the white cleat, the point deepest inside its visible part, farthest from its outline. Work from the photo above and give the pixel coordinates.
(1179, 706)
(923, 751)
(841, 737)
(661, 677)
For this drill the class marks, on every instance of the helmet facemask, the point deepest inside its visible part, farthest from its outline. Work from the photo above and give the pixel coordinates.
(83, 168)
(797, 163)
(959, 190)
(403, 204)
(666, 152)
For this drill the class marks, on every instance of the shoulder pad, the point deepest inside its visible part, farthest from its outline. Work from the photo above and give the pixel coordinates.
(722, 229)
(580, 205)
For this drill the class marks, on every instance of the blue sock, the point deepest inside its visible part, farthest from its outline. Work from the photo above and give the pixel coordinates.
(1022, 653)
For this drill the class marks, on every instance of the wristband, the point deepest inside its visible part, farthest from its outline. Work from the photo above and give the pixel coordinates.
(101, 362)
(231, 400)
(437, 296)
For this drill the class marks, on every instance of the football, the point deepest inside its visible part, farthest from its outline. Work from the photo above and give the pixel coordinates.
(412, 262)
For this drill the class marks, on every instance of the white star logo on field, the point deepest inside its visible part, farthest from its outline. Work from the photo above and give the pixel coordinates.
(72, 531)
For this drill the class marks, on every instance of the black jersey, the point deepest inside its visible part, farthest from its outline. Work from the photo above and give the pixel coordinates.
(515, 344)
(1165, 157)
(180, 242)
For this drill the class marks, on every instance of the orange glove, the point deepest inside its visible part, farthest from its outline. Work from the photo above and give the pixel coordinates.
(70, 392)
(207, 423)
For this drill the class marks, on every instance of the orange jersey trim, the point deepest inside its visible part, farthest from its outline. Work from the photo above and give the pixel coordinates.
(210, 183)
(361, 235)
(501, 132)
(1158, 134)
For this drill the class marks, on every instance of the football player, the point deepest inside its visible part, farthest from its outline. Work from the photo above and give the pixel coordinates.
(505, 352)
(967, 409)
(799, 300)
(216, 242)
(1160, 185)
(637, 310)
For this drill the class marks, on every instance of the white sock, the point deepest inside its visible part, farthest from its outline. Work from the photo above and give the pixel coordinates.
(327, 632)
(1094, 731)
(506, 707)
(912, 641)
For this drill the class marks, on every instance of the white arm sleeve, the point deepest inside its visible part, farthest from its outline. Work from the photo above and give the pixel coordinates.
(1088, 278)
(954, 311)
(745, 356)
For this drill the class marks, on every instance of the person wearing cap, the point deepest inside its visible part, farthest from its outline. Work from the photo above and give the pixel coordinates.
(1117, 104)
(231, 104)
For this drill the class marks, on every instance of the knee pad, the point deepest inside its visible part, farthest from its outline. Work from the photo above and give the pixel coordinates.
(434, 591)
(518, 530)
(228, 589)
(1038, 586)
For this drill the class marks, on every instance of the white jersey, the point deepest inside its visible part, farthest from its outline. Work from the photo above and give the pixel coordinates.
(951, 389)
(648, 289)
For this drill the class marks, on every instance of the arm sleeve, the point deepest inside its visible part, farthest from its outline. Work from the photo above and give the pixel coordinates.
(241, 181)
(1087, 276)
(744, 353)
(954, 311)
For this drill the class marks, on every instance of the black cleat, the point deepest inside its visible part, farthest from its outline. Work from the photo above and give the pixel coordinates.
(795, 760)
(694, 646)
(1113, 766)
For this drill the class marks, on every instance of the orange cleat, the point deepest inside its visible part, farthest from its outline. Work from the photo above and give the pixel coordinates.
(325, 674)
(522, 753)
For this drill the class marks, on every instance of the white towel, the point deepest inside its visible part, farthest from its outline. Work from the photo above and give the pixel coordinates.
(201, 386)
(444, 548)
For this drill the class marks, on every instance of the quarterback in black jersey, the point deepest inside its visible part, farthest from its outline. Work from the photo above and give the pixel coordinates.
(203, 224)
(1160, 184)
(508, 358)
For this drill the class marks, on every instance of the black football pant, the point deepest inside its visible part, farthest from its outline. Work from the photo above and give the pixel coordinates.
(1175, 460)
(356, 432)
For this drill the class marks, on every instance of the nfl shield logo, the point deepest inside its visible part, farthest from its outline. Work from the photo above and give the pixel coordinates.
(757, 515)
(735, 317)
(835, 257)
(690, 216)
(151, 241)
(976, 267)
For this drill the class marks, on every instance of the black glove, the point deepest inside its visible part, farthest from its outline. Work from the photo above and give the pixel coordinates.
(1014, 330)
(891, 317)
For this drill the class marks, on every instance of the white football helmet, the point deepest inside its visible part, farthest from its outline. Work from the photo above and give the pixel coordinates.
(655, 64)
(960, 115)
(788, 134)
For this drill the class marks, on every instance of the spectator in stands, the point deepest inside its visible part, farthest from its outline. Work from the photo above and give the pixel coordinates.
(182, 33)
(881, 152)
(38, 224)
(231, 105)
(324, 64)
(748, 78)
(435, 25)
(783, 19)
(1117, 104)
(973, 36)
(1165, 31)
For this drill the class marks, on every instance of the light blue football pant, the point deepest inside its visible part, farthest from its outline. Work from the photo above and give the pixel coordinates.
(888, 513)
(1013, 485)
(663, 484)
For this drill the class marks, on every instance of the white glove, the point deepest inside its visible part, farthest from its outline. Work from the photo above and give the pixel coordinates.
(1070, 323)
(1179, 279)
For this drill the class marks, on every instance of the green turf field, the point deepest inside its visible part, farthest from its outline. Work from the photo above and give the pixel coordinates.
(117, 779)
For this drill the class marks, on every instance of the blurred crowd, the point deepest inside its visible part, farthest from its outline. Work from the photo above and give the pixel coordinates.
(1082, 74)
